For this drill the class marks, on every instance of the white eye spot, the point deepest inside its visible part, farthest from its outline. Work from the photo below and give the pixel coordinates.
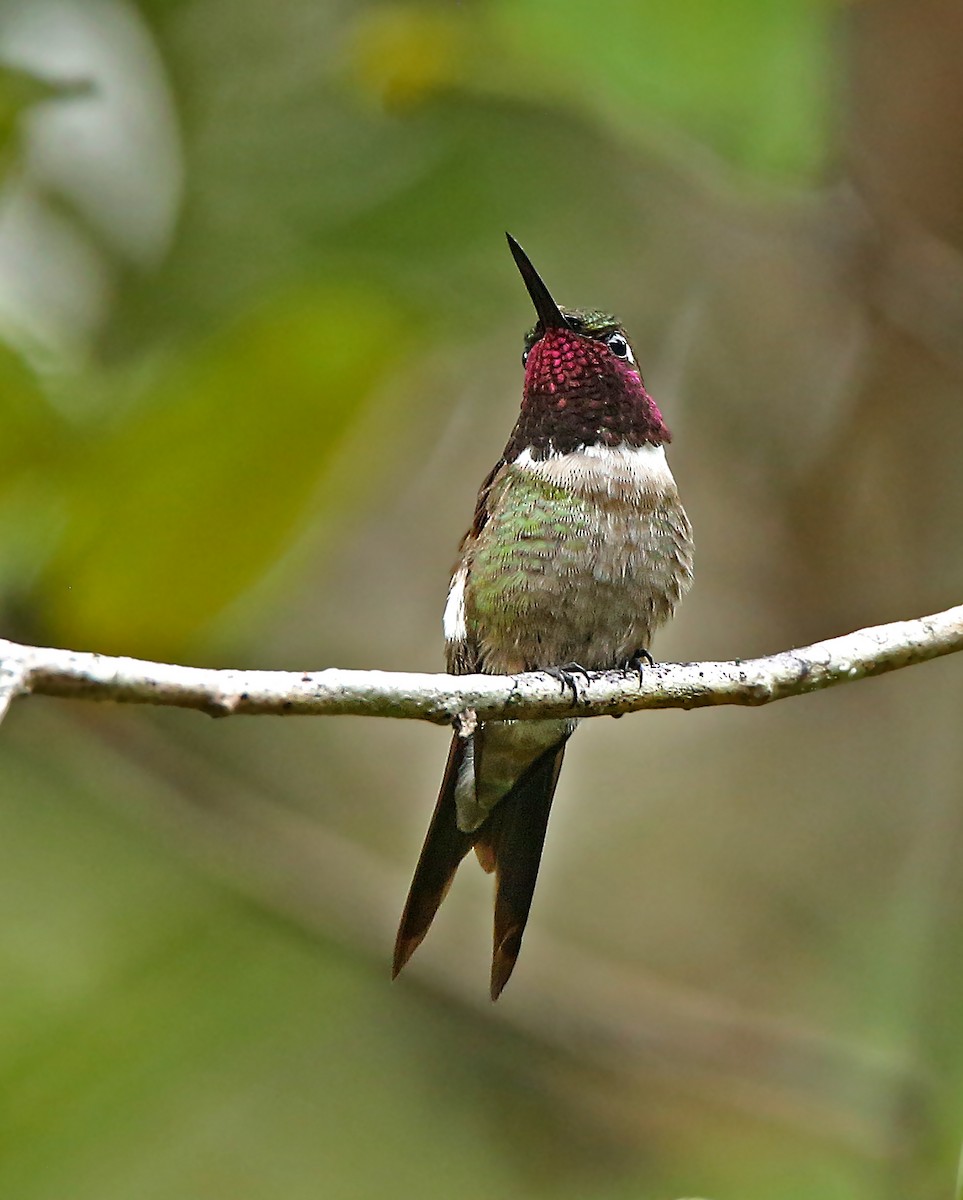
(525, 354)
(620, 347)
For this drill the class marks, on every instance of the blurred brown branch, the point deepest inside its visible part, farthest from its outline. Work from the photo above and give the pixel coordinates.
(33, 670)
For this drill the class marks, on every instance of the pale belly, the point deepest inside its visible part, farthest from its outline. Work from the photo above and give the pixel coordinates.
(558, 577)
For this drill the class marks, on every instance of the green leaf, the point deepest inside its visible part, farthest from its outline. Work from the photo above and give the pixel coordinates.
(747, 78)
(34, 440)
(187, 501)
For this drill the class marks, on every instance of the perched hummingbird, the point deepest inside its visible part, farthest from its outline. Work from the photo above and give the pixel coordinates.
(578, 551)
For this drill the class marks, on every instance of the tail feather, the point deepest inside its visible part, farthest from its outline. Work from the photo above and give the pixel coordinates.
(445, 846)
(510, 842)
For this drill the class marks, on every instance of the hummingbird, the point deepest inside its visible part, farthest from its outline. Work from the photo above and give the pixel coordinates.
(579, 549)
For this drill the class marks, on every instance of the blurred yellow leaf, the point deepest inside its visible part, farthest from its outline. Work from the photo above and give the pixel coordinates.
(403, 54)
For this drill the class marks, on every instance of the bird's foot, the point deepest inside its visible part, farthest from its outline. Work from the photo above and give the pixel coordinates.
(566, 673)
(638, 661)
(465, 723)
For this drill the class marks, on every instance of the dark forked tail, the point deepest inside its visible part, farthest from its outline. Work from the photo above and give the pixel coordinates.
(509, 843)
(445, 846)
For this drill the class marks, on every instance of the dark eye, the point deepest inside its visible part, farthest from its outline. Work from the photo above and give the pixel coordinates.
(619, 346)
(525, 354)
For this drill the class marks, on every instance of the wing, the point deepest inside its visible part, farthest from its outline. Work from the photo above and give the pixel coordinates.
(445, 844)
(510, 841)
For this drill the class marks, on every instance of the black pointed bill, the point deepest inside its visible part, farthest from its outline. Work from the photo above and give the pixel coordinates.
(548, 311)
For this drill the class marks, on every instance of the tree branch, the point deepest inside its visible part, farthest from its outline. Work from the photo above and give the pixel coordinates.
(34, 670)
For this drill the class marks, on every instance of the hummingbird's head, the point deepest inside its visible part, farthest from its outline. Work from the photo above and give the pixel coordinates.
(582, 385)
(601, 327)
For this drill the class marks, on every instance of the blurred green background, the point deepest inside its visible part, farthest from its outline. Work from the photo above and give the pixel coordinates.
(259, 343)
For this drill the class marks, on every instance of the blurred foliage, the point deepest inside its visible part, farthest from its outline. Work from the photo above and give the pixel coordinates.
(221, 457)
(259, 342)
(748, 80)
